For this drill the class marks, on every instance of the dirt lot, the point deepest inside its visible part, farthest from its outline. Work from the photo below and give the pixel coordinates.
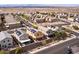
(9, 19)
(27, 10)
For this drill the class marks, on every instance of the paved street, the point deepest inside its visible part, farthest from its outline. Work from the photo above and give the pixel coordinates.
(57, 48)
(60, 23)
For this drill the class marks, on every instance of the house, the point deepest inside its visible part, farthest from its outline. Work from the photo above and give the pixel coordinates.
(71, 15)
(50, 33)
(21, 36)
(48, 30)
(49, 19)
(39, 20)
(6, 40)
(71, 19)
(76, 19)
(62, 15)
(36, 34)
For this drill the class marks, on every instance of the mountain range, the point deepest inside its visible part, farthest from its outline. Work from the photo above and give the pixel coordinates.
(36, 5)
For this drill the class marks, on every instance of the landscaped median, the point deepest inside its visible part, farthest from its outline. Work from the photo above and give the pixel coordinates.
(34, 26)
(72, 28)
(24, 16)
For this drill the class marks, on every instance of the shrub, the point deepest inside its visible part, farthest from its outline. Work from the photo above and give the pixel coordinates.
(44, 42)
(76, 27)
(60, 34)
(18, 50)
(3, 52)
(49, 41)
(35, 26)
(25, 16)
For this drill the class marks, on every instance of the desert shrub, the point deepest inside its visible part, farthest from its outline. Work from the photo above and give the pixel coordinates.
(76, 27)
(18, 50)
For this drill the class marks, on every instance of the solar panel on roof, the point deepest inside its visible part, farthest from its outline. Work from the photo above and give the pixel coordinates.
(18, 33)
(33, 31)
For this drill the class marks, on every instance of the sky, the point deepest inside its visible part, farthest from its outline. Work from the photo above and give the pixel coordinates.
(39, 2)
(67, 3)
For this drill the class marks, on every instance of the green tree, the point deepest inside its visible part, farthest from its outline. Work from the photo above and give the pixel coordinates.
(25, 16)
(37, 12)
(60, 35)
(75, 27)
(34, 26)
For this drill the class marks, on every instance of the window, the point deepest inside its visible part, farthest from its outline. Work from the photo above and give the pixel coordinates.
(8, 41)
(4, 41)
(3, 46)
(18, 32)
(9, 44)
